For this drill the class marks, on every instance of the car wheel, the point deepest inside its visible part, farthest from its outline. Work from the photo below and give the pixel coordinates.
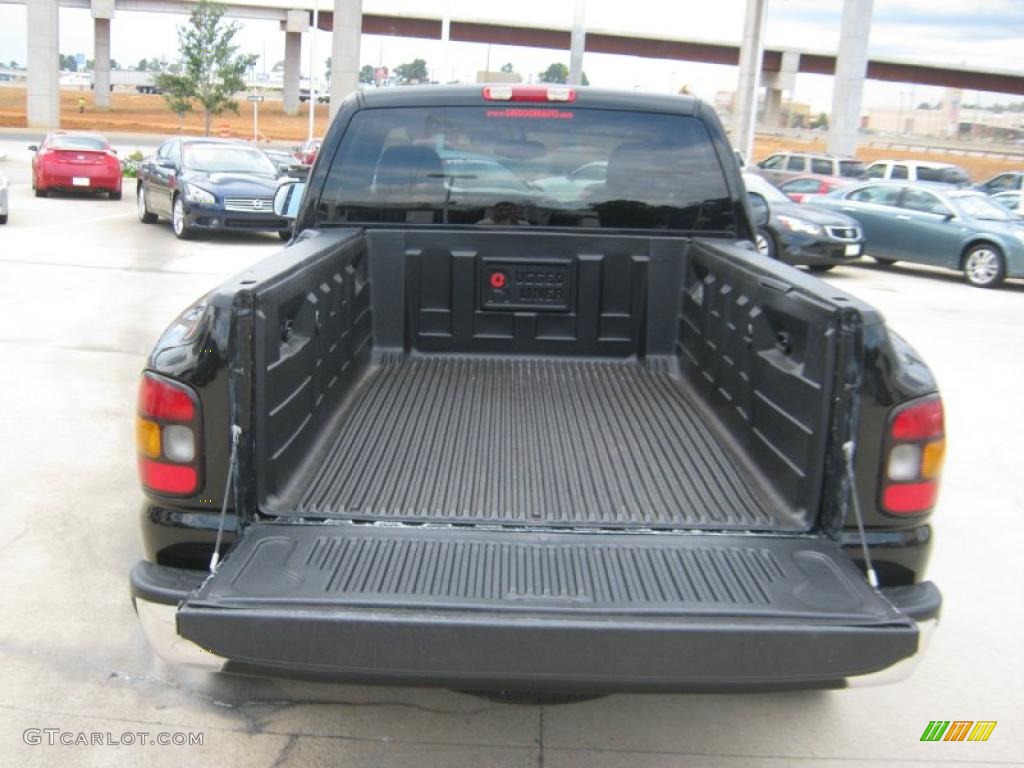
(765, 243)
(144, 215)
(3, 219)
(820, 267)
(884, 262)
(38, 192)
(114, 194)
(181, 228)
(984, 266)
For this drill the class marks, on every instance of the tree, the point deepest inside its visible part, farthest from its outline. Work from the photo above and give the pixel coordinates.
(556, 73)
(178, 95)
(212, 70)
(508, 69)
(367, 75)
(821, 122)
(143, 65)
(413, 72)
(327, 69)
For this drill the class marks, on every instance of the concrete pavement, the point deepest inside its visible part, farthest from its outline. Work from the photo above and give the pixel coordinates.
(84, 291)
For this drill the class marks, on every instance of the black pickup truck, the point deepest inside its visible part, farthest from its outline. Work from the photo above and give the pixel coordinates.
(478, 429)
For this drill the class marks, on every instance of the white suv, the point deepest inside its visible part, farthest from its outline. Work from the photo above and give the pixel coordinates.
(919, 170)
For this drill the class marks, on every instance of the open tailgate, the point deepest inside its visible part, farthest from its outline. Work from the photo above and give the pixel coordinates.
(505, 609)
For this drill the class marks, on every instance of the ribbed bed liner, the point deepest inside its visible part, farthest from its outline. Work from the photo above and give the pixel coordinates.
(530, 442)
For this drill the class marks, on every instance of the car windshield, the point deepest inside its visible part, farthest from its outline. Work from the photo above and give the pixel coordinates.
(92, 143)
(471, 165)
(981, 207)
(215, 158)
(852, 169)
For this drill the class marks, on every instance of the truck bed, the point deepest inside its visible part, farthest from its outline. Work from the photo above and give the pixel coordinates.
(530, 442)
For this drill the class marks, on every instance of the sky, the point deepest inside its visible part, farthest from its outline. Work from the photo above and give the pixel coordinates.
(987, 34)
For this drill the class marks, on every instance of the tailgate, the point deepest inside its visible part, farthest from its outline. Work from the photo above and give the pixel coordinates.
(499, 608)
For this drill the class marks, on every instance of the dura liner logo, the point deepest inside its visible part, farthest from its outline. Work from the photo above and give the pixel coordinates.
(958, 730)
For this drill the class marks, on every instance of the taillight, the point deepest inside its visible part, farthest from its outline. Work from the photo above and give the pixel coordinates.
(529, 93)
(915, 448)
(167, 436)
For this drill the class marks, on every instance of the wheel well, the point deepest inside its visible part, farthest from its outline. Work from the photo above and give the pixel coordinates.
(975, 243)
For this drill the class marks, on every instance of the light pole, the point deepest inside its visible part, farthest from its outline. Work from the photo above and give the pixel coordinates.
(312, 68)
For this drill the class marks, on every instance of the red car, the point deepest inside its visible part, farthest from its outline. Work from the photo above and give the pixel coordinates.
(306, 154)
(79, 161)
(799, 188)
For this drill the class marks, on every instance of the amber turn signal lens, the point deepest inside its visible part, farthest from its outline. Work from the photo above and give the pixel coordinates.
(147, 437)
(931, 459)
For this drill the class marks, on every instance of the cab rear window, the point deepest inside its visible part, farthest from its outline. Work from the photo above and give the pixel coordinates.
(527, 165)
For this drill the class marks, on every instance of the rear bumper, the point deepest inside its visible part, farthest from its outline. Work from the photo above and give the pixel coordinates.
(64, 179)
(484, 650)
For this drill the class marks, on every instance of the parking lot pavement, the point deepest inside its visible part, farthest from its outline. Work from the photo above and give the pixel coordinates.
(84, 291)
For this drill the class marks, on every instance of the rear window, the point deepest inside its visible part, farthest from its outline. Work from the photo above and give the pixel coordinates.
(852, 169)
(79, 142)
(822, 167)
(944, 175)
(514, 165)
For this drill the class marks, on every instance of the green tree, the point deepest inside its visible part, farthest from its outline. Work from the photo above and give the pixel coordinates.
(556, 73)
(367, 74)
(327, 69)
(413, 72)
(143, 65)
(178, 95)
(508, 69)
(212, 70)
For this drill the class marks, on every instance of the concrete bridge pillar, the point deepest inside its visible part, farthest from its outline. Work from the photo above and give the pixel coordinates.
(848, 84)
(43, 101)
(348, 28)
(295, 26)
(102, 14)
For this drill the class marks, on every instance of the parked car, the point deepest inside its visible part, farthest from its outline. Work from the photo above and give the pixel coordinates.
(306, 154)
(958, 229)
(286, 163)
(75, 161)
(1010, 181)
(573, 183)
(1012, 201)
(4, 199)
(804, 234)
(783, 166)
(206, 184)
(802, 187)
(616, 452)
(919, 170)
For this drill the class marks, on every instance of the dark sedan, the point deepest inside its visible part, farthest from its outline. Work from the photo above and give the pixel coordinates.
(206, 184)
(804, 234)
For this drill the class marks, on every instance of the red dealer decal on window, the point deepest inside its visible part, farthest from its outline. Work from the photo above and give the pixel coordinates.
(530, 113)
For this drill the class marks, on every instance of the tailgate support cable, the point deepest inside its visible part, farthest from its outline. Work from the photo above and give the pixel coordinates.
(868, 567)
(236, 432)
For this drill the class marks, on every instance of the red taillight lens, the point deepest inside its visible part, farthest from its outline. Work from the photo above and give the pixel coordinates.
(162, 399)
(913, 458)
(177, 479)
(167, 433)
(529, 93)
(918, 422)
(910, 498)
